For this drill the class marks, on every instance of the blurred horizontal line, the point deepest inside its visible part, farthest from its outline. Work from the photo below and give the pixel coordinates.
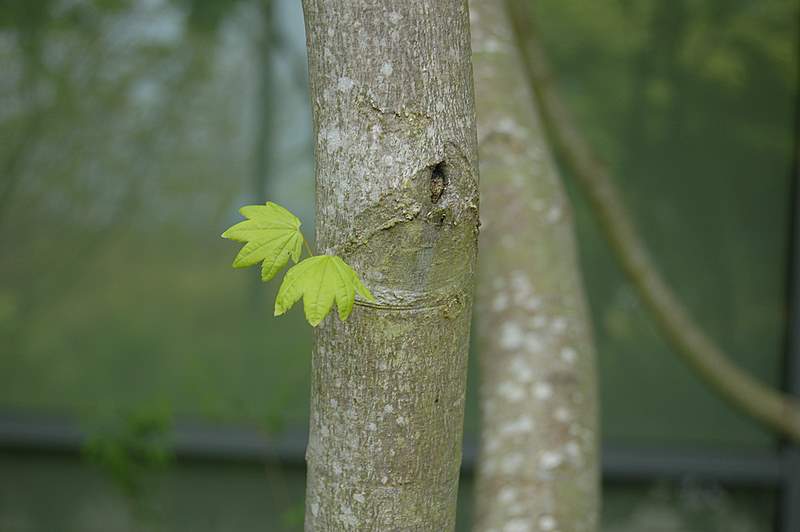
(28, 434)
(751, 468)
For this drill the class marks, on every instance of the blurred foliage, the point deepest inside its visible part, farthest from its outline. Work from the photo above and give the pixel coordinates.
(205, 16)
(294, 516)
(127, 148)
(130, 445)
(691, 103)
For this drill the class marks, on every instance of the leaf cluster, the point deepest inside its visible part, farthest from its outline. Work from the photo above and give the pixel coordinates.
(271, 236)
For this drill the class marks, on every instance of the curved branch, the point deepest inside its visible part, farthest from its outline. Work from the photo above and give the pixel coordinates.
(775, 410)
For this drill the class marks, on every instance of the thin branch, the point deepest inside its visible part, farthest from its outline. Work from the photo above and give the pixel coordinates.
(775, 410)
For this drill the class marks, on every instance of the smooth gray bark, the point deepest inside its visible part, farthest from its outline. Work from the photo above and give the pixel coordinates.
(538, 461)
(397, 198)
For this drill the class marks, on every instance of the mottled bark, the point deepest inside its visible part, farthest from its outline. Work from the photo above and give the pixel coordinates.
(538, 461)
(397, 197)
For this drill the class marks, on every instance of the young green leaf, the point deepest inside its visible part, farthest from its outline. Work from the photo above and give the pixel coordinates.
(271, 234)
(320, 280)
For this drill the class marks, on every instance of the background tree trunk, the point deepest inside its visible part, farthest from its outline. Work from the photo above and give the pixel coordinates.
(538, 462)
(397, 197)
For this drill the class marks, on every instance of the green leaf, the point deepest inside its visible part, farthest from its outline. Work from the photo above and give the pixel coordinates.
(271, 234)
(321, 280)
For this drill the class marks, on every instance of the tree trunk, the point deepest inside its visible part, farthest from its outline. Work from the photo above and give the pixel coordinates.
(538, 461)
(397, 197)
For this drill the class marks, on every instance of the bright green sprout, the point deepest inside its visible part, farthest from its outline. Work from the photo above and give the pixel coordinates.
(271, 235)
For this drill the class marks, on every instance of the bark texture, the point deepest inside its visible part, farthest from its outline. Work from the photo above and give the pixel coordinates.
(538, 461)
(397, 197)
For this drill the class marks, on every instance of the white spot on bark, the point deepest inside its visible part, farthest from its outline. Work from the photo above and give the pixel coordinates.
(372, 427)
(347, 517)
(550, 460)
(562, 414)
(520, 284)
(512, 463)
(344, 84)
(573, 449)
(334, 138)
(337, 469)
(532, 303)
(315, 509)
(543, 390)
(388, 409)
(510, 391)
(506, 495)
(554, 214)
(387, 69)
(521, 369)
(359, 497)
(500, 302)
(559, 325)
(384, 479)
(547, 523)
(401, 420)
(569, 355)
(334, 403)
(511, 336)
(439, 107)
(395, 17)
(507, 125)
(518, 525)
(491, 45)
(520, 425)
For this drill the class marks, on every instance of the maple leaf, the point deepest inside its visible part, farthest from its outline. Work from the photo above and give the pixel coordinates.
(320, 281)
(271, 234)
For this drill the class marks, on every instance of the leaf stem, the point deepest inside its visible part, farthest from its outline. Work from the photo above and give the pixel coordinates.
(308, 248)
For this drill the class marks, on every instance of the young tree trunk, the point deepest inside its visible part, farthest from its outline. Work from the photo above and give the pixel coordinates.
(538, 461)
(397, 197)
